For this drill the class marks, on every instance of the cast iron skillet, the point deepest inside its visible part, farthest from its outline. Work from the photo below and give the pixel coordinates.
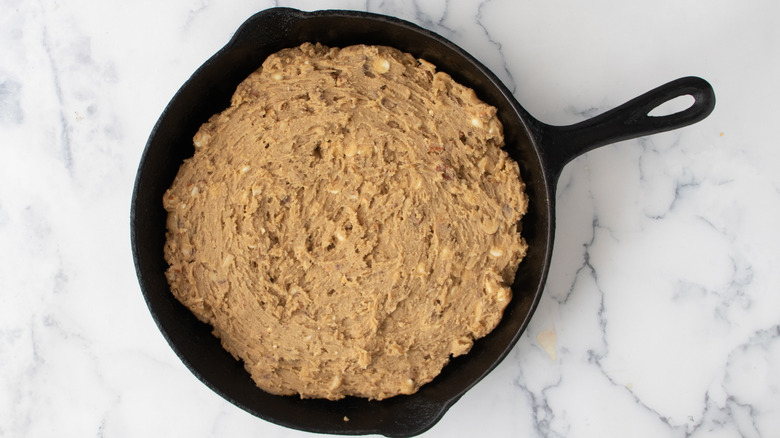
(541, 150)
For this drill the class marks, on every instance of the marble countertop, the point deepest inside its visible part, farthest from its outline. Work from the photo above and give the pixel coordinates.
(661, 315)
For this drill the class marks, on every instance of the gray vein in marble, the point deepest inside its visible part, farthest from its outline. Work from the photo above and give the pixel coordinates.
(732, 295)
(727, 298)
(221, 416)
(65, 140)
(730, 412)
(60, 281)
(101, 428)
(596, 360)
(105, 416)
(23, 417)
(413, 11)
(684, 183)
(594, 356)
(382, 7)
(693, 426)
(586, 268)
(648, 148)
(584, 114)
(427, 21)
(444, 15)
(194, 12)
(512, 85)
(758, 339)
(10, 102)
(752, 413)
(67, 155)
(712, 417)
(12, 388)
(47, 330)
(543, 414)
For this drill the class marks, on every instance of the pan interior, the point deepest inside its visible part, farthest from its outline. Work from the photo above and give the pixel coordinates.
(208, 92)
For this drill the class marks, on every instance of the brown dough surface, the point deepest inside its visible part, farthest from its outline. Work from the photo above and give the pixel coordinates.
(348, 224)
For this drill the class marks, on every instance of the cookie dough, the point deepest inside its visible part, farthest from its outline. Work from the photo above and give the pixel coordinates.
(348, 224)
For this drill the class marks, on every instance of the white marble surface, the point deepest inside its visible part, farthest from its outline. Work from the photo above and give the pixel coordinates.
(664, 294)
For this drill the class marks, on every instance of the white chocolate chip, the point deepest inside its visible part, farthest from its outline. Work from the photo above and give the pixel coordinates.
(494, 126)
(504, 294)
(381, 65)
(490, 225)
(200, 139)
(483, 163)
(364, 148)
(476, 122)
(277, 76)
(461, 345)
(490, 286)
(350, 149)
(335, 383)
(408, 386)
(496, 251)
(245, 169)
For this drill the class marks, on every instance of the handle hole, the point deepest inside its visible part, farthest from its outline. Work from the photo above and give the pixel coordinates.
(674, 106)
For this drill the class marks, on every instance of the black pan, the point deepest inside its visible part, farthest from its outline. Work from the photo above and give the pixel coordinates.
(542, 151)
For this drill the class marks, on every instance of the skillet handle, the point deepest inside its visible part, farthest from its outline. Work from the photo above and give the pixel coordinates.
(561, 144)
